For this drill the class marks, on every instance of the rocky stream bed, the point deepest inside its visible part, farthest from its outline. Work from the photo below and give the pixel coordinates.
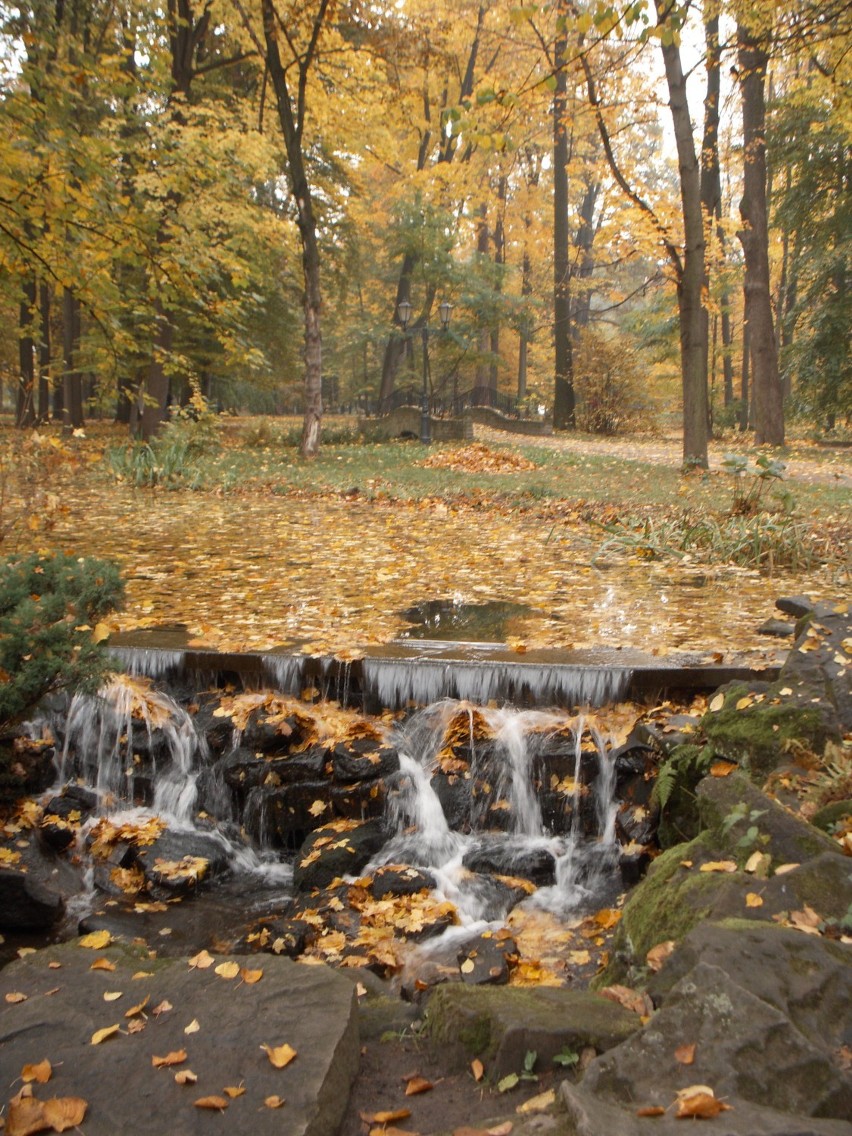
(516, 921)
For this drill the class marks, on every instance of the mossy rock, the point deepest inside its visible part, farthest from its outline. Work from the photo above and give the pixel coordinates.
(744, 820)
(500, 1025)
(831, 815)
(673, 898)
(760, 735)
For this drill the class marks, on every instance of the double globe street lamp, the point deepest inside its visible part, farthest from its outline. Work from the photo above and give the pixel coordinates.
(445, 309)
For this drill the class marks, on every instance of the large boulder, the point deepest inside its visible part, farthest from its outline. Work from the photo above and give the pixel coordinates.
(26, 903)
(310, 1009)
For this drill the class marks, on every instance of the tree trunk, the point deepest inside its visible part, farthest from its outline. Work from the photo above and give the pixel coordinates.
(584, 243)
(563, 395)
(767, 392)
(711, 189)
(25, 410)
(72, 382)
(745, 381)
(694, 330)
(499, 238)
(44, 354)
(291, 127)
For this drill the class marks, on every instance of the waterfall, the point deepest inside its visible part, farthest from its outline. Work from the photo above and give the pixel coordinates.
(495, 772)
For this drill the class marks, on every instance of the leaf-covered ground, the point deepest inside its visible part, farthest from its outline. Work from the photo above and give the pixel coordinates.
(270, 551)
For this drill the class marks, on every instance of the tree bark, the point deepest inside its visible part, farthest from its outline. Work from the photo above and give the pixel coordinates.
(563, 395)
(44, 353)
(292, 126)
(694, 325)
(767, 391)
(25, 410)
(711, 189)
(72, 382)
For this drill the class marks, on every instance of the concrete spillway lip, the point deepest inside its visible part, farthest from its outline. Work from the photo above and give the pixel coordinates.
(310, 1008)
(401, 672)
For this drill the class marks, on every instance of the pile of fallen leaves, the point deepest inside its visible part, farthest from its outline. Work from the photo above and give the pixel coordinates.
(478, 458)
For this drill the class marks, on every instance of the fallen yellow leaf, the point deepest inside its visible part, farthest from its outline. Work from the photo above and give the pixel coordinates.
(219, 1103)
(102, 1034)
(754, 900)
(39, 1073)
(279, 1055)
(250, 976)
(227, 969)
(185, 1077)
(201, 961)
(176, 1057)
(95, 940)
(718, 866)
(538, 1103)
(274, 1102)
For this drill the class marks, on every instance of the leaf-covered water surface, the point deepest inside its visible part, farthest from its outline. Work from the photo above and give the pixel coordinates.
(333, 573)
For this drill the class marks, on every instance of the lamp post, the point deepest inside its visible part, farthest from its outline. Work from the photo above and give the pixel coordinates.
(445, 309)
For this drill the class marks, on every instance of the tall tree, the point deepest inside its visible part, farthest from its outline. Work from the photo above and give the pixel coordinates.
(563, 398)
(767, 390)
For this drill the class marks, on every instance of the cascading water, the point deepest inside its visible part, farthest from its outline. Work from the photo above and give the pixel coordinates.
(502, 829)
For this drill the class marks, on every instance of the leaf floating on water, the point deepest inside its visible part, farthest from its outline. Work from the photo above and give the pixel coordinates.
(279, 1055)
(102, 1034)
(40, 1073)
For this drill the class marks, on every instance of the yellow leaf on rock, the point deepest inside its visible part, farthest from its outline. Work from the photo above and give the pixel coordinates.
(537, 1103)
(721, 768)
(417, 1085)
(685, 1054)
(234, 1091)
(201, 961)
(279, 1055)
(716, 703)
(754, 900)
(95, 940)
(193, 1027)
(318, 808)
(102, 964)
(176, 1057)
(112, 995)
(250, 977)
(699, 1101)
(744, 702)
(40, 1073)
(658, 954)
(719, 866)
(468, 966)
(185, 1077)
(227, 969)
(478, 1069)
(216, 1103)
(102, 1034)
(274, 1102)
(14, 997)
(138, 1008)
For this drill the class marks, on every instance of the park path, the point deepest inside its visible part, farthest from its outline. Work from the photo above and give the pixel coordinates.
(823, 466)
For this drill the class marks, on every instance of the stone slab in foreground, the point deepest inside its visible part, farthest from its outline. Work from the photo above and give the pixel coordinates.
(309, 1008)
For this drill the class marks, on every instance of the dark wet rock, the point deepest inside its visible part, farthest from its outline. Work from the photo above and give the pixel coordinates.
(808, 978)
(289, 937)
(817, 667)
(501, 1025)
(777, 629)
(27, 767)
(496, 897)
(633, 865)
(273, 737)
(679, 729)
(363, 759)
(398, 879)
(310, 1008)
(244, 769)
(74, 798)
(484, 961)
(27, 903)
(557, 812)
(745, 1049)
(179, 861)
(360, 801)
(454, 792)
(637, 823)
(218, 732)
(338, 849)
(798, 606)
(501, 859)
(297, 809)
(57, 834)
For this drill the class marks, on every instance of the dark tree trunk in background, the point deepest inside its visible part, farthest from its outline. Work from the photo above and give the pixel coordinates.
(24, 408)
(72, 381)
(44, 354)
(767, 391)
(563, 398)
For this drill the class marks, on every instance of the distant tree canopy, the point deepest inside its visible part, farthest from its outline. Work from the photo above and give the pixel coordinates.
(230, 198)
